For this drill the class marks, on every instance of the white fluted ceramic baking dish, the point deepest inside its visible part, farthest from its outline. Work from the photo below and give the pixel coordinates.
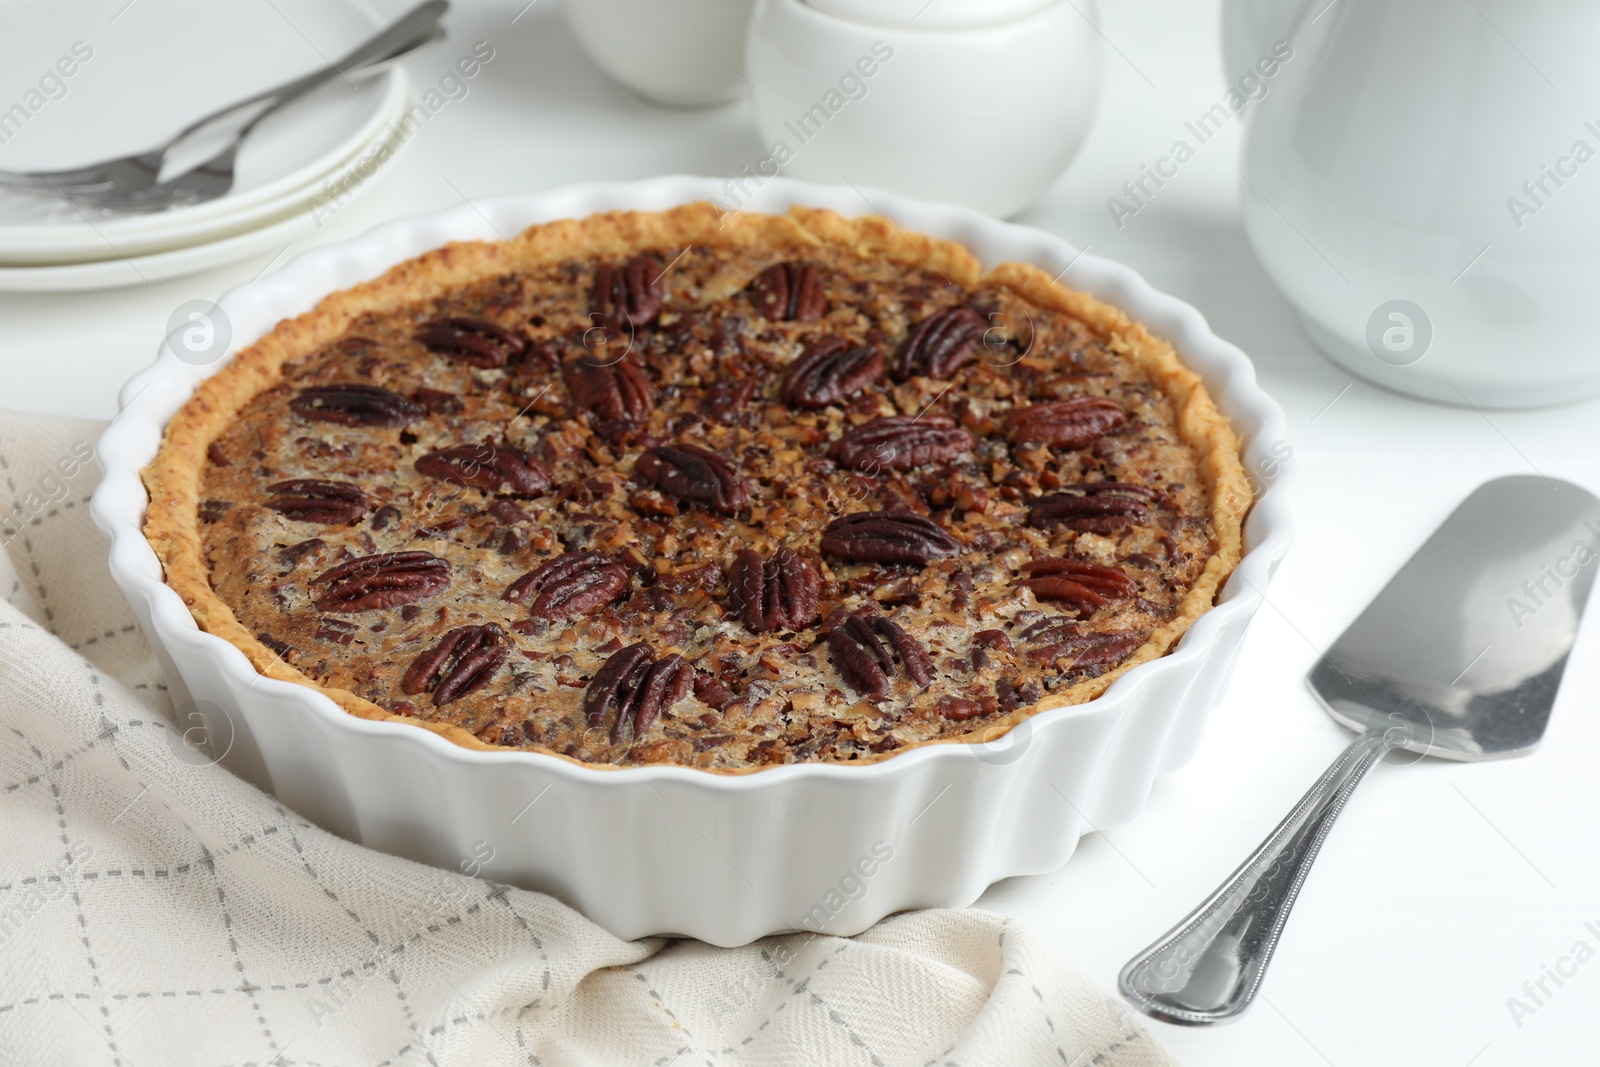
(672, 850)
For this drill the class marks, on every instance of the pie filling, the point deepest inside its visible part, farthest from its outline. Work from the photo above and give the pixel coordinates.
(724, 507)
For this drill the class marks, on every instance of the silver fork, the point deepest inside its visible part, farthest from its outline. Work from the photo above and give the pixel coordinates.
(134, 183)
(214, 177)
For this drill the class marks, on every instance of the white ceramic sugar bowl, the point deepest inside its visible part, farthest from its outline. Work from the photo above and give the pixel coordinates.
(686, 53)
(980, 102)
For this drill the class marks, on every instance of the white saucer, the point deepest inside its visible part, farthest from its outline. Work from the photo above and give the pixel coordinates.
(169, 48)
(356, 174)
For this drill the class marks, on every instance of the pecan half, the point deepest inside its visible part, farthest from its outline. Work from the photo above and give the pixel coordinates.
(1054, 639)
(471, 341)
(315, 500)
(617, 395)
(830, 371)
(1080, 585)
(572, 584)
(958, 709)
(939, 345)
(291, 555)
(1011, 696)
(1066, 423)
(789, 292)
(354, 404)
(1138, 492)
(1102, 508)
(464, 661)
(633, 688)
(728, 401)
(504, 511)
(864, 663)
(708, 689)
(437, 401)
(779, 594)
(694, 475)
(986, 641)
(901, 442)
(628, 295)
(385, 580)
(887, 537)
(493, 468)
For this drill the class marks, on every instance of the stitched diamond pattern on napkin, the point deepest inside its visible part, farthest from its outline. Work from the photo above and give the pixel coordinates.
(154, 911)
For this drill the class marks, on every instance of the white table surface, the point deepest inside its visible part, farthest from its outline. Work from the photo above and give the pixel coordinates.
(1445, 886)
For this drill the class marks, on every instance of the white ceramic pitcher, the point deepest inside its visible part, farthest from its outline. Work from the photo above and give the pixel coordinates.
(1424, 185)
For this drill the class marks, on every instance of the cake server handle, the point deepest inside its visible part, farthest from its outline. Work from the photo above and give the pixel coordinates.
(1207, 968)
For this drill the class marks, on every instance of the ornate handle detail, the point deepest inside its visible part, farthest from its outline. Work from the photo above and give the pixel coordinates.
(1207, 968)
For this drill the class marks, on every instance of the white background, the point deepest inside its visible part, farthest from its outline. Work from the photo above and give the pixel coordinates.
(1445, 886)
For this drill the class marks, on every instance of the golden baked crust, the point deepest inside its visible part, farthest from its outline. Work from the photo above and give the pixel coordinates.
(714, 243)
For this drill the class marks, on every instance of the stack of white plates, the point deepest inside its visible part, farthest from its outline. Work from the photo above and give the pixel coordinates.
(140, 71)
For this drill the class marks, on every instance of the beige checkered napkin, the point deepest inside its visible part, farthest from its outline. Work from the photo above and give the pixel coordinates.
(157, 913)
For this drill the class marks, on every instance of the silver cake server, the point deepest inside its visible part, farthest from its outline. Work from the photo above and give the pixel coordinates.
(1459, 657)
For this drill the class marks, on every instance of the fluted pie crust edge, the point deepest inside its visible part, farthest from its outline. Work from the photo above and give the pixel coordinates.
(173, 479)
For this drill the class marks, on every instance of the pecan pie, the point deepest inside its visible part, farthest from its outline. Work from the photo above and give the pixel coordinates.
(725, 491)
